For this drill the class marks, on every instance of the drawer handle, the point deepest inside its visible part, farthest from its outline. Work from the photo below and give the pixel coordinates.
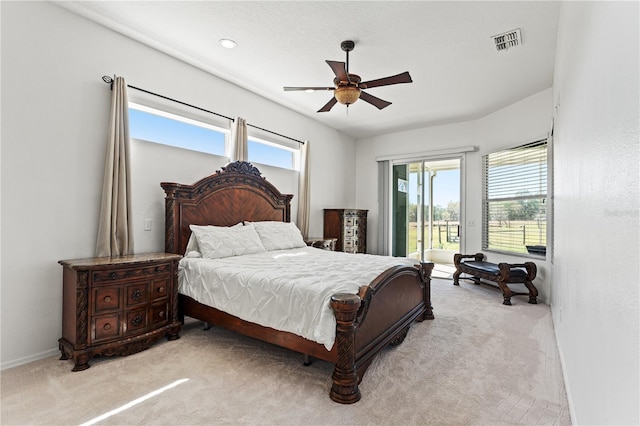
(113, 275)
(137, 320)
(137, 295)
(107, 326)
(160, 289)
(161, 314)
(107, 299)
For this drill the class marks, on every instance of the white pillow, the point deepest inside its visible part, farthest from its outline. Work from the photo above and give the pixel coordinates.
(216, 242)
(279, 235)
(192, 245)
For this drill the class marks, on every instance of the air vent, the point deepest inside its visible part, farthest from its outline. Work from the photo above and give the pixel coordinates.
(507, 40)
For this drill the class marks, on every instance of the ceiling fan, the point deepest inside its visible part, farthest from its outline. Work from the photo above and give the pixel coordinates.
(348, 87)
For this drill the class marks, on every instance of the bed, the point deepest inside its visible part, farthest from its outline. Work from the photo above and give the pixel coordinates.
(376, 314)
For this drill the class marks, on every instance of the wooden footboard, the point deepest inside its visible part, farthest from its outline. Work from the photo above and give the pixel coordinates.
(380, 315)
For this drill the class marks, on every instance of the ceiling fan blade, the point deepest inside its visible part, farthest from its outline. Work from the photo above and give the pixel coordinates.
(288, 89)
(328, 105)
(394, 79)
(376, 102)
(339, 70)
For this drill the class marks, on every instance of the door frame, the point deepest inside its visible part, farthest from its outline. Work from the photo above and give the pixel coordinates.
(426, 157)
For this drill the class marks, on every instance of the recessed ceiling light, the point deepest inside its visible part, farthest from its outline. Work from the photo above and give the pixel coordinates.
(228, 43)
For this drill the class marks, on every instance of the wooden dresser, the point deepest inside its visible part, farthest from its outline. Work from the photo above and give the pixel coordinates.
(349, 226)
(117, 305)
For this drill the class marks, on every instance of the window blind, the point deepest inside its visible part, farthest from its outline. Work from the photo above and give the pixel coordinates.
(514, 199)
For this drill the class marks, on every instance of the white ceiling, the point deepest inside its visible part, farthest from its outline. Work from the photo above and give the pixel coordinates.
(446, 46)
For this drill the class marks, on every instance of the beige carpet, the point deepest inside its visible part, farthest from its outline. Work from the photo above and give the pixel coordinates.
(479, 362)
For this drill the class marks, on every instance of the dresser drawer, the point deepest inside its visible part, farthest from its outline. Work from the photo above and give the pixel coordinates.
(113, 275)
(136, 294)
(350, 245)
(107, 299)
(350, 232)
(160, 288)
(159, 313)
(136, 321)
(105, 327)
(350, 221)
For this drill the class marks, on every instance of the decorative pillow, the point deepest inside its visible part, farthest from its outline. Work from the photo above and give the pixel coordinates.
(279, 235)
(216, 242)
(192, 245)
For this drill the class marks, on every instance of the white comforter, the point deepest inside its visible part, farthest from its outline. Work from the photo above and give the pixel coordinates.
(288, 290)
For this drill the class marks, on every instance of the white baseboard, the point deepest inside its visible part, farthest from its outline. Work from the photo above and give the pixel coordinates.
(567, 386)
(28, 359)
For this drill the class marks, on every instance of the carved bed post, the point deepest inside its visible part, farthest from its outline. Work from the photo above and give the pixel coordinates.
(426, 268)
(169, 217)
(345, 376)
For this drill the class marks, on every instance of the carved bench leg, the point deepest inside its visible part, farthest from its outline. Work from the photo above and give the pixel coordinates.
(531, 274)
(503, 279)
(533, 292)
(506, 292)
(456, 277)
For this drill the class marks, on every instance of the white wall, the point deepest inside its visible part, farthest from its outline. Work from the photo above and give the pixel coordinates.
(55, 111)
(525, 121)
(595, 293)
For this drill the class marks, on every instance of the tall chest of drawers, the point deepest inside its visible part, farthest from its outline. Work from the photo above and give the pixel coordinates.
(117, 305)
(349, 226)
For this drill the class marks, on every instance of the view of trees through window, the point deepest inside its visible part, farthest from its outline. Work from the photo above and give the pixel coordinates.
(418, 230)
(515, 199)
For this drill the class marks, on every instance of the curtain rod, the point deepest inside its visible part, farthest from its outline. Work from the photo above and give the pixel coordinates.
(109, 80)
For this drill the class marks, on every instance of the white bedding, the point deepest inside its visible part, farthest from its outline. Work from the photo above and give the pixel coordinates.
(288, 290)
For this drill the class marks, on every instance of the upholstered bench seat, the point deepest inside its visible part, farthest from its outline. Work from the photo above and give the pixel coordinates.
(494, 269)
(502, 274)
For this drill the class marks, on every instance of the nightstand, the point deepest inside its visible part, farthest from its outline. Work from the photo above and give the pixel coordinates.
(117, 305)
(349, 226)
(322, 243)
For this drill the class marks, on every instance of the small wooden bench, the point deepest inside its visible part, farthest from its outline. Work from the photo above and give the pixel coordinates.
(502, 274)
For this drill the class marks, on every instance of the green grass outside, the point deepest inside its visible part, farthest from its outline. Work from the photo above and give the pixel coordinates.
(512, 236)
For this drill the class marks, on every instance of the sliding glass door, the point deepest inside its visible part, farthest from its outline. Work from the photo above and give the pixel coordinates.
(425, 220)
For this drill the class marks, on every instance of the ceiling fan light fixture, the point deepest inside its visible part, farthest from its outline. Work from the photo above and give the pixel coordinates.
(347, 95)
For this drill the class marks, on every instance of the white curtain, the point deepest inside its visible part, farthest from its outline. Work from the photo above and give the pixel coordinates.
(304, 185)
(239, 150)
(384, 201)
(115, 230)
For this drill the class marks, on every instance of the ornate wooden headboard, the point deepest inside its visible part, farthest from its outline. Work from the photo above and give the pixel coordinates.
(236, 193)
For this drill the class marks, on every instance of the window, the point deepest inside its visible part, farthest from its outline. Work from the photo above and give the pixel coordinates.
(272, 154)
(161, 127)
(515, 200)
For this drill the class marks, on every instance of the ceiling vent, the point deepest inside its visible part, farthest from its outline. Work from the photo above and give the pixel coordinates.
(507, 40)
